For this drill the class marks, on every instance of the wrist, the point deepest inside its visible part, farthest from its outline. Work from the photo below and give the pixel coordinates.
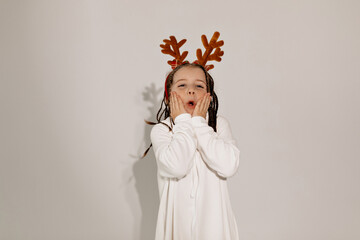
(199, 115)
(176, 114)
(198, 121)
(182, 117)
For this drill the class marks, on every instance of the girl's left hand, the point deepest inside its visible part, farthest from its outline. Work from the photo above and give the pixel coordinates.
(202, 106)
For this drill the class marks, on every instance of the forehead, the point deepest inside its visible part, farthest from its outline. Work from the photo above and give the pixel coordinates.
(190, 73)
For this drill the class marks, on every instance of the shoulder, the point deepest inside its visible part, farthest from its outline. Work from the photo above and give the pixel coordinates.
(222, 125)
(160, 128)
(221, 120)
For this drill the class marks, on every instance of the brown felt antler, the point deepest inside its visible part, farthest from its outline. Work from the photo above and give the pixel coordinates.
(209, 47)
(172, 47)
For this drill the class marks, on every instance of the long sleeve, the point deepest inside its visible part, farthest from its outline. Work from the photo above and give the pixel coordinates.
(175, 151)
(218, 149)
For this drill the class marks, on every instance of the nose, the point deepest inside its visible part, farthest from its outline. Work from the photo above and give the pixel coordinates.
(191, 92)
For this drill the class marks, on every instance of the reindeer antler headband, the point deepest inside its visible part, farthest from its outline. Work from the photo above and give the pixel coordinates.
(172, 47)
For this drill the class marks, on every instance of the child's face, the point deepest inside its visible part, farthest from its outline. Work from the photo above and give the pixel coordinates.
(190, 84)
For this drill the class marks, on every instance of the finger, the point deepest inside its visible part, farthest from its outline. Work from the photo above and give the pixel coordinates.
(178, 102)
(207, 104)
(181, 103)
(203, 105)
(197, 106)
(172, 103)
(202, 101)
(171, 100)
(197, 110)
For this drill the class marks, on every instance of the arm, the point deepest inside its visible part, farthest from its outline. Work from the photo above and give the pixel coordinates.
(175, 151)
(218, 149)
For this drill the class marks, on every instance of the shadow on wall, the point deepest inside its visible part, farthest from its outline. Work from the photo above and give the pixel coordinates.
(145, 171)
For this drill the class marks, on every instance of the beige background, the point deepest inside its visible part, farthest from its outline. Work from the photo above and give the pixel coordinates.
(79, 77)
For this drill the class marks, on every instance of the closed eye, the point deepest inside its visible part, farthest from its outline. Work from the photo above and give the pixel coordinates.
(200, 86)
(181, 85)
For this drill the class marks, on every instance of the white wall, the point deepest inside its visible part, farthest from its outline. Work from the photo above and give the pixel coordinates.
(79, 77)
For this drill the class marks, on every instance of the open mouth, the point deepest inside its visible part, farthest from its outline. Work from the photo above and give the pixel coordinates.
(191, 103)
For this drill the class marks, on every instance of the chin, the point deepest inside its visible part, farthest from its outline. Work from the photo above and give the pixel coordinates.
(189, 111)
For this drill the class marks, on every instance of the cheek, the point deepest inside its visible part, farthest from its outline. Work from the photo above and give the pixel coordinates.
(202, 93)
(180, 94)
(182, 97)
(172, 90)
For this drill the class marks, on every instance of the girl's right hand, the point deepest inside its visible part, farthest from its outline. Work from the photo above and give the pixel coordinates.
(176, 105)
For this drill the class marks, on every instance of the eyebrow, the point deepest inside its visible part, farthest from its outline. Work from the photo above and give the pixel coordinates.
(201, 80)
(183, 79)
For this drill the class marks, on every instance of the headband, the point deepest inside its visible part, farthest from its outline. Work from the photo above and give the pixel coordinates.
(172, 48)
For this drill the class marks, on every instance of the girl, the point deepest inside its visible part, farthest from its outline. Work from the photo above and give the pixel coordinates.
(195, 154)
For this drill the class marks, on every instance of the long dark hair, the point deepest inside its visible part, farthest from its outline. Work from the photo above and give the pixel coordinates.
(164, 111)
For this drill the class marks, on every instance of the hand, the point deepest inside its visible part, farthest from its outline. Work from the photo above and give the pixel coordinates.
(176, 105)
(202, 106)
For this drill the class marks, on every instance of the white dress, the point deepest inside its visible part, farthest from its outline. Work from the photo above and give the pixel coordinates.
(193, 164)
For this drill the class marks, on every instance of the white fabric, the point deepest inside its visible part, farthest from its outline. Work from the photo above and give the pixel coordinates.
(193, 164)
